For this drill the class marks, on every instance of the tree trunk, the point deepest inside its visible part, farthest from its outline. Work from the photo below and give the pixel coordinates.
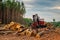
(2, 13)
(0, 0)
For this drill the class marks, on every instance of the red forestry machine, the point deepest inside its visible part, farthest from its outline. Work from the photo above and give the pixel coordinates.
(37, 22)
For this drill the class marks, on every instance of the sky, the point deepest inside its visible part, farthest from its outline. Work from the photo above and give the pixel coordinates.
(47, 9)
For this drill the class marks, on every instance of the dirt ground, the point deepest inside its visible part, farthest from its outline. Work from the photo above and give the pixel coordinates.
(12, 37)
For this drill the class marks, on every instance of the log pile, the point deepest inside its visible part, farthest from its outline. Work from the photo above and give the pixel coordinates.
(20, 30)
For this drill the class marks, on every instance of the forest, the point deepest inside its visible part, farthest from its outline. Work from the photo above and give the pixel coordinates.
(11, 10)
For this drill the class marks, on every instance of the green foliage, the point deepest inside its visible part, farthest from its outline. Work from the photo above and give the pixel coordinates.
(27, 21)
(53, 20)
(56, 24)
